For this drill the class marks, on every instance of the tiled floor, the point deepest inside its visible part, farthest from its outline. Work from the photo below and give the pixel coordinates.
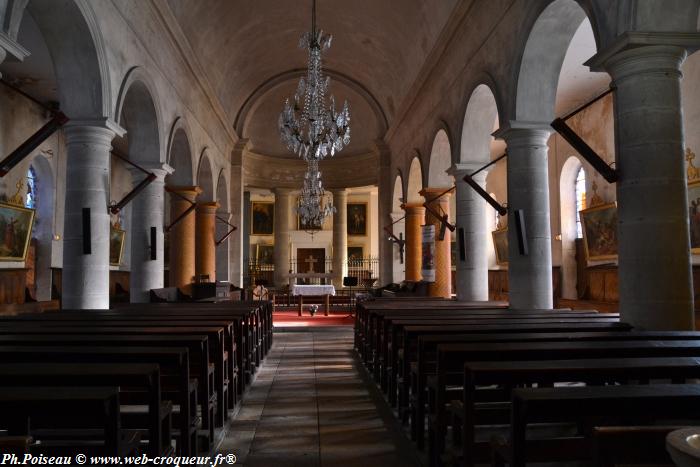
(311, 406)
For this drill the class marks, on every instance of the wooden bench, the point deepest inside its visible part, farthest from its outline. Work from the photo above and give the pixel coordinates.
(511, 374)
(586, 404)
(135, 378)
(86, 419)
(200, 367)
(172, 360)
(452, 357)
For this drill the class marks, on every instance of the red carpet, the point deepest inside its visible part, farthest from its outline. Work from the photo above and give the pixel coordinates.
(291, 318)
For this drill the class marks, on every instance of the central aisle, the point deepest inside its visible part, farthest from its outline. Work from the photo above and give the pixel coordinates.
(311, 406)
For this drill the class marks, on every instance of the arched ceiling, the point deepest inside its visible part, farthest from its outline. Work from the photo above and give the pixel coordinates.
(379, 48)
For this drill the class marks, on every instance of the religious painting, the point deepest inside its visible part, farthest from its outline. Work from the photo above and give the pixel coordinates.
(357, 219)
(355, 253)
(16, 226)
(694, 215)
(500, 245)
(307, 226)
(599, 225)
(262, 218)
(116, 246)
(265, 254)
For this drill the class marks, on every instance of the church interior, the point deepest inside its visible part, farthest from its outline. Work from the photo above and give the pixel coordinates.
(313, 232)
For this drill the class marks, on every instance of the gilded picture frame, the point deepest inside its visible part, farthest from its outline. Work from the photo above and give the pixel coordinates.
(500, 245)
(694, 215)
(599, 226)
(16, 223)
(116, 246)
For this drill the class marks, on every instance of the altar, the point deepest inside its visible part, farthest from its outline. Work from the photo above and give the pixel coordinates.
(313, 290)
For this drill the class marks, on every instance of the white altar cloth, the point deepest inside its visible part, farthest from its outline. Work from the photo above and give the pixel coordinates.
(312, 289)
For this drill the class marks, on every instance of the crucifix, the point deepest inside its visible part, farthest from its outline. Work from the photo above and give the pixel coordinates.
(311, 261)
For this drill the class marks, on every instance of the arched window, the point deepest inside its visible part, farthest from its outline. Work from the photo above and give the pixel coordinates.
(580, 193)
(30, 200)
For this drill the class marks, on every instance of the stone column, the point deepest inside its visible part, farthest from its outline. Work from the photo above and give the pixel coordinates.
(205, 242)
(530, 276)
(340, 237)
(442, 287)
(223, 251)
(473, 271)
(182, 237)
(282, 227)
(146, 212)
(245, 227)
(238, 242)
(399, 229)
(86, 276)
(655, 277)
(415, 217)
(385, 204)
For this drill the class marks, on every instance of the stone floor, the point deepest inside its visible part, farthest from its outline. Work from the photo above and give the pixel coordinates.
(311, 405)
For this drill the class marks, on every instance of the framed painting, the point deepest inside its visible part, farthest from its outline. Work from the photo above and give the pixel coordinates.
(500, 245)
(599, 225)
(116, 246)
(694, 215)
(16, 224)
(355, 253)
(262, 218)
(301, 225)
(264, 254)
(357, 219)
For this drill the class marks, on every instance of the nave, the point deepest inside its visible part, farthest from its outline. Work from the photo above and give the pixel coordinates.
(313, 405)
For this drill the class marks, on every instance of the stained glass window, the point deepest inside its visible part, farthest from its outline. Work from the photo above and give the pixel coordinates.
(580, 190)
(30, 200)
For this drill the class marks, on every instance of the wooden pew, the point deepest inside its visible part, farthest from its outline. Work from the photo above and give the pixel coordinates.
(510, 374)
(452, 357)
(214, 331)
(172, 360)
(632, 445)
(577, 404)
(391, 340)
(141, 377)
(26, 408)
(200, 367)
(418, 411)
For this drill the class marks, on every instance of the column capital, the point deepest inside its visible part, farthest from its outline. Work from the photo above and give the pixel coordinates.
(84, 128)
(188, 192)
(520, 133)
(279, 191)
(414, 209)
(459, 170)
(429, 193)
(160, 170)
(636, 43)
(208, 207)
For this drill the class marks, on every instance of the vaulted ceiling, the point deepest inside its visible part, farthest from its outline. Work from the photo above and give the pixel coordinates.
(250, 54)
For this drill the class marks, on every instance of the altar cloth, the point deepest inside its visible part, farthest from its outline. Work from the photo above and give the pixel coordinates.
(312, 289)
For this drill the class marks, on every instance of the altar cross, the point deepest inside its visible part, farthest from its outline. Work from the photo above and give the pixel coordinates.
(311, 261)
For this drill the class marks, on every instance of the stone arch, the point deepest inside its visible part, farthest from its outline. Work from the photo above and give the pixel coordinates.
(43, 230)
(138, 112)
(180, 155)
(72, 34)
(205, 178)
(440, 162)
(222, 196)
(414, 185)
(480, 117)
(537, 75)
(567, 202)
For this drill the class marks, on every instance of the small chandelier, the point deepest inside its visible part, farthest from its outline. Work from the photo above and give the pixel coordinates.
(313, 206)
(311, 129)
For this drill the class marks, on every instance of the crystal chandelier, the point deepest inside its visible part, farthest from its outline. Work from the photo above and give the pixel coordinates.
(311, 129)
(313, 205)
